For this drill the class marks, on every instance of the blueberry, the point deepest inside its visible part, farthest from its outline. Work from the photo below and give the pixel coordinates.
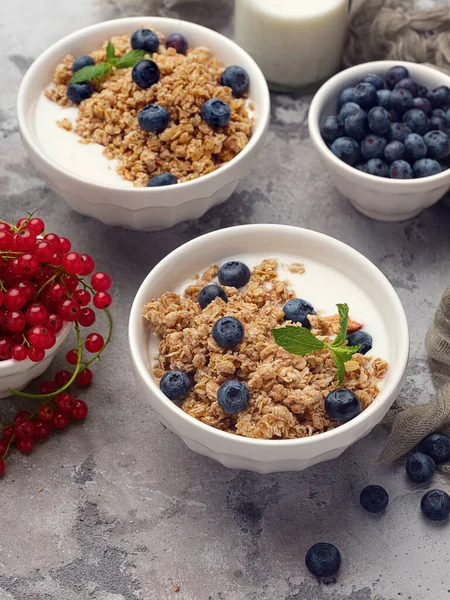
(437, 445)
(228, 332)
(384, 98)
(342, 405)
(323, 560)
(438, 144)
(233, 397)
(408, 84)
(297, 311)
(439, 112)
(394, 151)
(423, 91)
(348, 109)
(360, 338)
(153, 117)
(435, 505)
(365, 95)
(347, 149)
(347, 95)
(373, 146)
(415, 147)
(144, 39)
(177, 41)
(82, 61)
(145, 73)
(234, 274)
(376, 166)
(424, 105)
(332, 128)
(417, 121)
(401, 100)
(216, 113)
(400, 169)
(374, 79)
(420, 467)
(439, 97)
(379, 120)
(399, 131)
(162, 179)
(425, 167)
(374, 498)
(209, 293)
(237, 79)
(394, 75)
(394, 115)
(447, 114)
(355, 125)
(77, 92)
(440, 124)
(175, 385)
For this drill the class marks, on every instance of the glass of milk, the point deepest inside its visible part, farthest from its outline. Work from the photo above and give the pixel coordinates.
(297, 43)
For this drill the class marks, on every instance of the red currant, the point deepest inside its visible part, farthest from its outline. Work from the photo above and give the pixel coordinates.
(3, 447)
(21, 222)
(28, 288)
(88, 265)
(41, 337)
(60, 420)
(44, 251)
(72, 263)
(83, 297)
(70, 282)
(8, 432)
(14, 299)
(6, 240)
(36, 354)
(15, 320)
(101, 282)
(2, 467)
(61, 378)
(102, 300)
(25, 445)
(68, 309)
(45, 413)
(65, 245)
(56, 259)
(1, 297)
(36, 225)
(19, 352)
(72, 357)
(28, 263)
(54, 240)
(87, 317)
(80, 410)
(42, 430)
(36, 314)
(5, 226)
(94, 342)
(47, 387)
(85, 377)
(55, 323)
(24, 429)
(23, 240)
(65, 402)
(56, 291)
(22, 415)
(5, 348)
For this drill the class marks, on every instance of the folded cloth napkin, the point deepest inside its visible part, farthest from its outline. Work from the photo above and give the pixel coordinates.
(410, 424)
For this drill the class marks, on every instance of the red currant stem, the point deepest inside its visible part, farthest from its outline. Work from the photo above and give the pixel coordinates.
(44, 285)
(25, 341)
(108, 339)
(27, 220)
(10, 224)
(9, 445)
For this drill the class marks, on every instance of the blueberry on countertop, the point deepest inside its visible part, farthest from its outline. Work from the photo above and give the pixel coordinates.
(323, 560)
(216, 113)
(437, 445)
(177, 41)
(400, 169)
(417, 121)
(234, 274)
(435, 505)
(77, 92)
(374, 498)
(233, 397)
(360, 338)
(153, 117)
(365, 95)
(347, 149)
(376, 166)
(145, 73)
(347, 95)
(420, 467)
(423, 104)
(408, 84)
(349, 108)
(209, 293)
(82, 61)
(342, 405)
(237, 79)
(162, 179)
(379, 120)
(438, 144)
(145, 39)
(401, 100)
(439, 97)
(355, 125)
(332, 128)
(395, 75)
(394, 151)
(228, 332)
(384, 98)
(373, 146)
(175, 385)
(399, 131)
(415, 147)
(297, 311)
(425, 167)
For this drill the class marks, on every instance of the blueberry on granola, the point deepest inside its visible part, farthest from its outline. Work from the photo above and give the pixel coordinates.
(177, 41)
(209, 293)
(435, 505)
(145, 73)
(82, 61)
(342, 405)
(144, 39)
(153, 117)
(323, 560)
(437, 445)
(297, 311)
(360, 338)
(162, 179)
(234, 274)
(237, 79)
(175, 385)
(216, 113)
(232, 397)
(420, 467)
(228, 332)
(77, 92)
(374, 498)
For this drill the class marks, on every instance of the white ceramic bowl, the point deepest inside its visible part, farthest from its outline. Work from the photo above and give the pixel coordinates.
(266, 456)
(376, 197)
(142, 208)
(16, 375)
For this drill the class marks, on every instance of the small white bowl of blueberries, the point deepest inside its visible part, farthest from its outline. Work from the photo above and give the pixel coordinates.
(383, 131)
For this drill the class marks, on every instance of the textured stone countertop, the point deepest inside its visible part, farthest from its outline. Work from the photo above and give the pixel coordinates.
(119, 508)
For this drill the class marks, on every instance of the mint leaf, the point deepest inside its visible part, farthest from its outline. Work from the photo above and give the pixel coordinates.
(110, 53)
(129, 59)
(90, 72)
(297, 340)
(341, 355)
(340, 366)
(343, 325)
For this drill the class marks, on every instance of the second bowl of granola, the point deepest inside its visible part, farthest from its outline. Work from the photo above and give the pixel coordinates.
(97, 155)
(211, 343)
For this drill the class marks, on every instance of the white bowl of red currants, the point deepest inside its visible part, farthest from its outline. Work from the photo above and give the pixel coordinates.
(383, 131)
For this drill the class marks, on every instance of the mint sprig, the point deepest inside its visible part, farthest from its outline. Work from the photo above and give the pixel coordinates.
(300, 341)
(103, 68)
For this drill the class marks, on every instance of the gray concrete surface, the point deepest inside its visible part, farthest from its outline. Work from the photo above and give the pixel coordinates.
(125, 510)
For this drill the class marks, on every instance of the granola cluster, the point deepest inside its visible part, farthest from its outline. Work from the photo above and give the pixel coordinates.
(188, 147)
(287, 392)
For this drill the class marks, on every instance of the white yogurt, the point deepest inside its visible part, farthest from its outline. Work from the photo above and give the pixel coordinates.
(295, 42)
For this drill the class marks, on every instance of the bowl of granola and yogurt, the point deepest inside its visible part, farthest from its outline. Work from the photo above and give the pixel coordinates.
(268, 347)
(145, 121)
